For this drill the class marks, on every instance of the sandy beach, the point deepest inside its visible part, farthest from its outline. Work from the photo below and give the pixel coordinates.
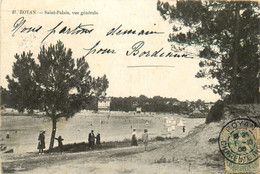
(186, 153)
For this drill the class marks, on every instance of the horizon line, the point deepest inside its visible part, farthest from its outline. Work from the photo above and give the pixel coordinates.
(150, 66)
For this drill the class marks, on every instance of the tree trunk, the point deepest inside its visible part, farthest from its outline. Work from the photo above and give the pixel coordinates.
(54, 121)
(235, 58)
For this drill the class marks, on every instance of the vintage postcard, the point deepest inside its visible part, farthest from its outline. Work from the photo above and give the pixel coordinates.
(130, 87)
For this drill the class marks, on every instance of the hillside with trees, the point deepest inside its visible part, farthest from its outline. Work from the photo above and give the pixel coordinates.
(156, 104)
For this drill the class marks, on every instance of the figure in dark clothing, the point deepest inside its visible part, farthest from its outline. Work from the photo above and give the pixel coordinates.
(91, 139)
(98, 139)
(134, 138)
(183, 129)
(7, 135)
(41, 142)
(60, 145)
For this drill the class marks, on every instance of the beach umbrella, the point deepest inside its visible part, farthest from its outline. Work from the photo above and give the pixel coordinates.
(173, 122)
(181, 123)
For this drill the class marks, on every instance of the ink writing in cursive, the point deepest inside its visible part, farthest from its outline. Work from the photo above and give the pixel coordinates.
(136, 51)
(119, 31)
(80, 29)
(19, 26)
(93, 50)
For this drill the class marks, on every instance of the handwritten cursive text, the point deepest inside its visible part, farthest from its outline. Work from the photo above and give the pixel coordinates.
(119, 31)
(93, 50)
(19, 26)
(80, 29)
(136, 51)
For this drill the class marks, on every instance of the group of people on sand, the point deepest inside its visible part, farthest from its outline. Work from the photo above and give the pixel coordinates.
(144, 138)
(41, 142)
(91, 139)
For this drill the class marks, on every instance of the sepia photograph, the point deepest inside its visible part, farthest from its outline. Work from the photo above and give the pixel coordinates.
(130, 87)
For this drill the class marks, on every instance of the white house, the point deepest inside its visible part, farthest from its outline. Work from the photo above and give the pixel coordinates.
(138, 109)
(104, 105)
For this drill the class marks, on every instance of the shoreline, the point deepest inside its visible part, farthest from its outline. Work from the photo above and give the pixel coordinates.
(121, 158)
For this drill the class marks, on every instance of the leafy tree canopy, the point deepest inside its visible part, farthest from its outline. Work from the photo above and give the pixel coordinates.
(55, 83)
(228, 34)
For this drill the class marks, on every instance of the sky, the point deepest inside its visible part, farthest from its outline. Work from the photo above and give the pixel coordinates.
(166, 77)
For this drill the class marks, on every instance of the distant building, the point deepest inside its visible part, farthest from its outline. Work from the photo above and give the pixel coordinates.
(167, 102)
(146, 103)
(188, 102)
(176, 103)
(135, 104)
(138, 109)
(209, 105)
(196, 113)
(3, 107)
(104, 105)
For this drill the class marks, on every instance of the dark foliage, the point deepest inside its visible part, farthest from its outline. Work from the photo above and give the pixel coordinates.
(228, 34)
(56, 83)
(216, 112)
(156, 104)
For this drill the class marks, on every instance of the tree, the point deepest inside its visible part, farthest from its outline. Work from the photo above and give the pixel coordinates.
(23, 89)
(5, 97)
(228, 35)
(216, 112)
(58, 84)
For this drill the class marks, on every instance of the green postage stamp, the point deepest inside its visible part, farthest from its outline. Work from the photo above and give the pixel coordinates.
(239, 143)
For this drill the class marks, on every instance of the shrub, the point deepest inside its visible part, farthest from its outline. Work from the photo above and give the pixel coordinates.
(216, 112)
(213, 140)
(159, 138)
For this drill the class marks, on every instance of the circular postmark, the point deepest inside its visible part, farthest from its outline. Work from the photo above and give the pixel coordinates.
(238, 141)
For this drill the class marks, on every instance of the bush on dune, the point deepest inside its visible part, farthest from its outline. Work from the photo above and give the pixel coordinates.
(216, 112)
(159, 138)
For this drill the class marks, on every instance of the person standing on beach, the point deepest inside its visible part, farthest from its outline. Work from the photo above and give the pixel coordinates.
(60, 145)
(91, 139)
(41, 142)
(134, 139)
(98, 139)
(145, 139)
(7, 135)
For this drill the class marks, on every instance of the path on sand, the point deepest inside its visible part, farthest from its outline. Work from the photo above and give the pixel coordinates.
(117, 160)
(30, 161)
